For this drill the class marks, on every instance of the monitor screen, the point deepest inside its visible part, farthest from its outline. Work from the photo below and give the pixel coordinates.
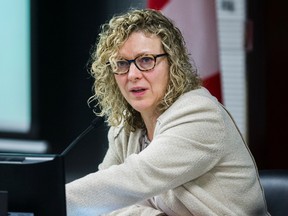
(15, 66)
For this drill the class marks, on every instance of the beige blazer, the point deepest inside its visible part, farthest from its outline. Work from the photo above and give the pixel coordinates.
(197, 164)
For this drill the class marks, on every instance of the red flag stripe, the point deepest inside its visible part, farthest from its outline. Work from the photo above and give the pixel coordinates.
(158, 5)
(197, 21)
(213, 83)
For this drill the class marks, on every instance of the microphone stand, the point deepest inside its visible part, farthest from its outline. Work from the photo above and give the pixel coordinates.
(94, 124)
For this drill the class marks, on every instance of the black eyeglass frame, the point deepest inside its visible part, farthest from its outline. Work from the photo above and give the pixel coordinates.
(134, 61)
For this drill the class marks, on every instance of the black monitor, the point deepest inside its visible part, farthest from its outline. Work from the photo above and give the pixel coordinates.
(34, 184)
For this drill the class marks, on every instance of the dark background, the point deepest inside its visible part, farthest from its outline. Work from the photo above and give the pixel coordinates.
(267, 83)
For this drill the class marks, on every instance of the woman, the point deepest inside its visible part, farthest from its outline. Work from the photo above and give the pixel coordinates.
(173, 148)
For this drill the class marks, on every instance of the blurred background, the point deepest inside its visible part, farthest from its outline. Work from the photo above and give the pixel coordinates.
(45, 47)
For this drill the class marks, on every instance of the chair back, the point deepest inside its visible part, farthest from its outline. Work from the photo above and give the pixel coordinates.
(275, 185)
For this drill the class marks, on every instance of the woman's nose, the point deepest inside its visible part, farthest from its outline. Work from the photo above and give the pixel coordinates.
(134, 73)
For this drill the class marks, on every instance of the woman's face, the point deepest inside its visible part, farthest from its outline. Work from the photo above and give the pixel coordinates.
(143, 90)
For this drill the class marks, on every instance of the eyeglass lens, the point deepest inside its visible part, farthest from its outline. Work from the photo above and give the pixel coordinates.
(143, 63)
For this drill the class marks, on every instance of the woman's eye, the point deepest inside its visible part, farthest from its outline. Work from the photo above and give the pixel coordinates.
(122, 63)
(146, 59)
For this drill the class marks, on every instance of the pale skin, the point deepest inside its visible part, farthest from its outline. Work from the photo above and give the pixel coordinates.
(150, 85)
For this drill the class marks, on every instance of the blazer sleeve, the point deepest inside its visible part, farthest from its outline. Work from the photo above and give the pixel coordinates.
(111, 156)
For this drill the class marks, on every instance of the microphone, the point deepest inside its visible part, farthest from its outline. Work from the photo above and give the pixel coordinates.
(95, 123)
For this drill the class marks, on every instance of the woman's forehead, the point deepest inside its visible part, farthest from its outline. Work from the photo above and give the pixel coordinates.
(141, 43)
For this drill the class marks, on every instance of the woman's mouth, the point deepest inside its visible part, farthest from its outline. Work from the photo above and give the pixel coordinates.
(138, 91)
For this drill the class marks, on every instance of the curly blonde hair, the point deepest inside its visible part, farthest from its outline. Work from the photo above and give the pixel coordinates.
(183, 75)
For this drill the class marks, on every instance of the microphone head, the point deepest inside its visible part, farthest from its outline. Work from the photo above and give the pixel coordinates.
(97, 122)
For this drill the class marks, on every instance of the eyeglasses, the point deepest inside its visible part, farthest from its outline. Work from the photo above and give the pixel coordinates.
(144, 62)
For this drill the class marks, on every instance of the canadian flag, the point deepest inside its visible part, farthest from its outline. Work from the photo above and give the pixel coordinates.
(197, 21)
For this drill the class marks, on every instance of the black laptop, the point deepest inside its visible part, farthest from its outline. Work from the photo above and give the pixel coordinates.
(34, 184)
